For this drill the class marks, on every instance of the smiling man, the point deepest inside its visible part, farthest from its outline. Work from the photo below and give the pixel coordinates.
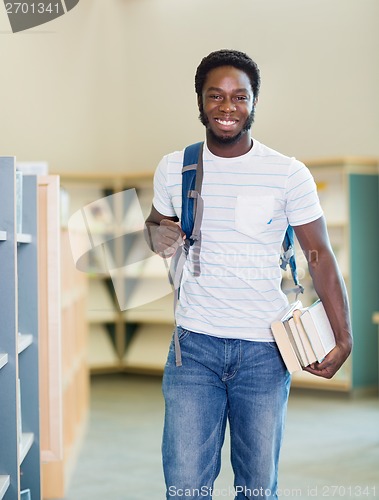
(230, 368)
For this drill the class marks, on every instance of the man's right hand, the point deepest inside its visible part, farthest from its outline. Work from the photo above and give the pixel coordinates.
(167, 237)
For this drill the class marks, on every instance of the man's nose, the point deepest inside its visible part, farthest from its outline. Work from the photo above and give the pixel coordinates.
(227, 106)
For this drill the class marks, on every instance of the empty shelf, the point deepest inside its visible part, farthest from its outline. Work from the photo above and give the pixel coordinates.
(24, 341)
(3, 360)
(24, 238)
(101, 308)
(101, 353)
(148, 348)
(25, 445)
(4, 484)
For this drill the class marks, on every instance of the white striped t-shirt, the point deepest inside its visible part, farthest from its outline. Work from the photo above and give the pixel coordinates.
(248, 203)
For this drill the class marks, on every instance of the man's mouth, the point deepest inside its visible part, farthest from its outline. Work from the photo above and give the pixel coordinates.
(225, 123)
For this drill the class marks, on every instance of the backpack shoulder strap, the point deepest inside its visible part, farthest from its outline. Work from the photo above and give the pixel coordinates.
(191, 154)
(288, 258)
(191, 217)
(192, 179)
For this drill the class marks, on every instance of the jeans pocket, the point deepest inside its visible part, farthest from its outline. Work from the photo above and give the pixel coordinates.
(182, 333)
(271, 345)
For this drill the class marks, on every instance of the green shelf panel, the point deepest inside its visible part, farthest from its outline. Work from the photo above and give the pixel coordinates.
(364, 220)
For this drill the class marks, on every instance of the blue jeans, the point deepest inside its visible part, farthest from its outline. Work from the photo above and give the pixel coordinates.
(243, 381)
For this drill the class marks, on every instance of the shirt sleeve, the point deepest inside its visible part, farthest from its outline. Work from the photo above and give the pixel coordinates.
(162, 199)
(303, 205)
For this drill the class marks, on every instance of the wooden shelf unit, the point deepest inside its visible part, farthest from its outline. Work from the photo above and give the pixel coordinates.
(349, 192)
(116, 332)
(71, 356)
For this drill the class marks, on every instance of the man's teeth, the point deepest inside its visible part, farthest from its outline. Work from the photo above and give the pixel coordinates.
(226, 122)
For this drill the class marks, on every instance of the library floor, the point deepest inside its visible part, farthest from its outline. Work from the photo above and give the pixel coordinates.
(330, 449)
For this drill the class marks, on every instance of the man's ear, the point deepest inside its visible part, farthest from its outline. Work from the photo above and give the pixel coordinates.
(255, 102)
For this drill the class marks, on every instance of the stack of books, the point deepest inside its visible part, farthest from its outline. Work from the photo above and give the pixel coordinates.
(303, 335)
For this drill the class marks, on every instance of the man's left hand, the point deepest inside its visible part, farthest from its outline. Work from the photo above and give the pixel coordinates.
(331, 363)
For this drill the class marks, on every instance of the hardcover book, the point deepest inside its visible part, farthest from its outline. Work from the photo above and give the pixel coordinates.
(285, 346)
(319, 330)
(303, 335)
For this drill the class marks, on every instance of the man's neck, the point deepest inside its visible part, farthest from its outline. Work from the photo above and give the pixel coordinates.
(239, 148)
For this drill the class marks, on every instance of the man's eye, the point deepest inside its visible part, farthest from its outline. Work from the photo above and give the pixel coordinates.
(215, 97)
(241, 98)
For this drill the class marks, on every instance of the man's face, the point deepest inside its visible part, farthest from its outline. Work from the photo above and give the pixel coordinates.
(227, 104)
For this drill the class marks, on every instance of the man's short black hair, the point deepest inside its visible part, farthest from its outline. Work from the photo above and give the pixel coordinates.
(227, 57)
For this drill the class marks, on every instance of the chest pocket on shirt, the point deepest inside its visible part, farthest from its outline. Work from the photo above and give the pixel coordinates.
(253, 214)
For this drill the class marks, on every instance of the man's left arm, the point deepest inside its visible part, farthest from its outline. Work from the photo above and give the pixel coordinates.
(330, 287)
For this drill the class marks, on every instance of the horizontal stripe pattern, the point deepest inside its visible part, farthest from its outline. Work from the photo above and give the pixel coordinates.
(248, 203)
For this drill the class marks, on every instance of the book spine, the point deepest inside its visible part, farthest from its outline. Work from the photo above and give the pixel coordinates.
(285, 348)
(299, 349)
(310, 354)
(314, 339)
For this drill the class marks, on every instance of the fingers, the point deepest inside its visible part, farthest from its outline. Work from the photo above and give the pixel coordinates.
(169, 236)
(173, 226)
(327, 372)
(328, 367)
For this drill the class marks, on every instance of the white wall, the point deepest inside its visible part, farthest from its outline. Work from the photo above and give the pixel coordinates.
(109, 86)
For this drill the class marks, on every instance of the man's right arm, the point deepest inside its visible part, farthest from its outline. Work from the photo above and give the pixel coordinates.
(163, 234)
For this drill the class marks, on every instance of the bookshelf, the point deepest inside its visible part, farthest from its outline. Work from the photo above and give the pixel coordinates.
(119, 293)
(375, 320)
(49, 303)
(61, 454)
(19, 395)
(349, 193)
(35, 391)
(125, 340)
